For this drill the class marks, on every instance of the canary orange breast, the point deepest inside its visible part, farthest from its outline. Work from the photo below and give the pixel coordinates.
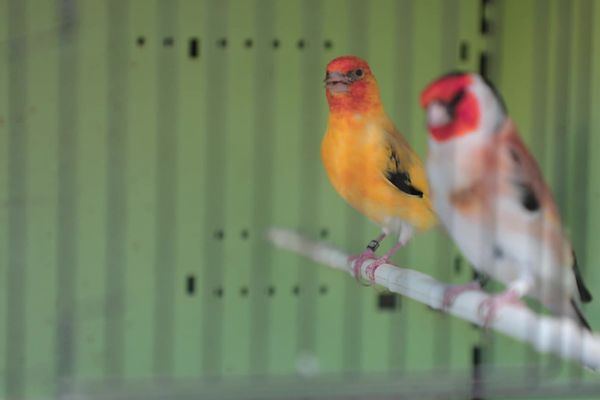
(357, 151)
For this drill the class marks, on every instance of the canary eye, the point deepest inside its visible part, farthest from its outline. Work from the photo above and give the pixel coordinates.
(356, 74)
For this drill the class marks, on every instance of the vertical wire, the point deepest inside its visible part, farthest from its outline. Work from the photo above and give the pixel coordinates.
(581, 150)
(68, 206)
(495, 44)
(538, 120)
(448, 58)
(310, 118)
(540, 78)
(215, 165)
(562, 96)
(166, 189)
(116, 212)
(264, 104)
(16, 295)
(560, 120)
(404, 101)
(355, 223)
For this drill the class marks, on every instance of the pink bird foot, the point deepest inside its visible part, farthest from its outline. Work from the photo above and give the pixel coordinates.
(368, 254)
(359, 260)
(490, 306)
(370, 272)
(453, 291)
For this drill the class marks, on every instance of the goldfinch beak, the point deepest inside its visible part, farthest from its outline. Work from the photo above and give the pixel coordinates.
(437, 115)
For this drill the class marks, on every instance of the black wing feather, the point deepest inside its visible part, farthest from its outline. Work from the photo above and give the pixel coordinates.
(528, 198)
(400, 177)
(584, 293)
(580, 317)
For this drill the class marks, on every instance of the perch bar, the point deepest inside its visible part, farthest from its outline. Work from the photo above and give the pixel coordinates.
(560, 336)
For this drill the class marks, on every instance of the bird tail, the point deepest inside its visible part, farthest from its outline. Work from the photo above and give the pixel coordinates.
(576, 313)
(584, 293)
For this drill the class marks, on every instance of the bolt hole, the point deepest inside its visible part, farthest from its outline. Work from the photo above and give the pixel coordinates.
(457, 265)
(387, 301)
(483, 64)
(244, 291)
(276, 43)
(271, 291)
(323, 289)
(219, 292)
(476, 358)
(328, 44)
(301, 44)
(248, 43)
(296, 290)
(190, 285)
(193, 48)
(222, 43)
(245, 234)
(464, 51)
(324, 233)
(485, 26)
(219, 234)
(477, 361)
(168, 41)
(141, 41)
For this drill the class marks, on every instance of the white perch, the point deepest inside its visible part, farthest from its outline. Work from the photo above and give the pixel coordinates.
(560, 336)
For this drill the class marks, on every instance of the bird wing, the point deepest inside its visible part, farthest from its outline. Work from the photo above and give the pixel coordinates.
(403, 169)
(523, 183)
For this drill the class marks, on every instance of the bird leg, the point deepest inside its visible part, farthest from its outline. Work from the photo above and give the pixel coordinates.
(370, 272)
(516, 290)
(406, 232)
(451, 292)
(368, 254)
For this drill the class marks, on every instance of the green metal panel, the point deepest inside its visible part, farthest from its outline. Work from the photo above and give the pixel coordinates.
(138, 182)
(88, 348)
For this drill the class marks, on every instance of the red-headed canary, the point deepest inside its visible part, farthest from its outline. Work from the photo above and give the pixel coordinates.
(490, 195)
(368, 161)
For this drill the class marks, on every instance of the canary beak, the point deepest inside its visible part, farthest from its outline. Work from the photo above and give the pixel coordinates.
(336, 82)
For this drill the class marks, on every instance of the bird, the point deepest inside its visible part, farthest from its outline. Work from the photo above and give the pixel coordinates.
(369, 163)
(489, 193)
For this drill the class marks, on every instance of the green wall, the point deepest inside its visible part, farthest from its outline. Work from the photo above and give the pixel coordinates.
(138, 181)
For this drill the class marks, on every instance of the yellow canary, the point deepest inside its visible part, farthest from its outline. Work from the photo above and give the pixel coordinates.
(368, 161)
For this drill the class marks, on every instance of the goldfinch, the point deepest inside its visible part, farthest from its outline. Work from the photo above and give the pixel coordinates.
(490, 195)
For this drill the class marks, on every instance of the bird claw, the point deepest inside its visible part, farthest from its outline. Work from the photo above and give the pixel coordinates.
(359, 260)
(370, 272)
(490, 306)
(451, 292)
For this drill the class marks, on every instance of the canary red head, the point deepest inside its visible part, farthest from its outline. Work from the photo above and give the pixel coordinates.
(351, 86)
(458, 104)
